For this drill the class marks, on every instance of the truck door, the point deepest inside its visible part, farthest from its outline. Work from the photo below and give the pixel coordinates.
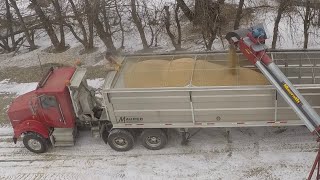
(51, 110)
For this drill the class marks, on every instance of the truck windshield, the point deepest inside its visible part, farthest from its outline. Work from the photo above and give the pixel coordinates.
(48, 101)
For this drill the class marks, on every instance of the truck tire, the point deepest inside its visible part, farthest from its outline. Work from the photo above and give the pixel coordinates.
(154, 139)
(120, 140)
(34, 142)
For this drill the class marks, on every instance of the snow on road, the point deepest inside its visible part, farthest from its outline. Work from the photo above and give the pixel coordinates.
(248, 153)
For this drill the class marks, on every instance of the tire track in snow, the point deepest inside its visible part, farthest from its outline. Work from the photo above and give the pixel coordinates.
(92, 158)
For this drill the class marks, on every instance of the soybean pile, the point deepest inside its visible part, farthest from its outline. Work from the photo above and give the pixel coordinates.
(189, 72)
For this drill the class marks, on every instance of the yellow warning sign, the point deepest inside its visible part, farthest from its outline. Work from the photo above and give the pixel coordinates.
(293, 96)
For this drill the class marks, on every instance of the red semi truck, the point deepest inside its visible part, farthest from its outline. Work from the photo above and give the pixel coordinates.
(47, 116)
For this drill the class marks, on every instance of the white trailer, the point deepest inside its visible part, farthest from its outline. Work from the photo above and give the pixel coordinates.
(154, 110)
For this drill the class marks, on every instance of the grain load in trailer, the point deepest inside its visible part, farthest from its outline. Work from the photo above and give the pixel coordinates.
(189, 72)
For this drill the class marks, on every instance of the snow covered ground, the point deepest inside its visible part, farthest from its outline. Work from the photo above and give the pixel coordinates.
(249, 153)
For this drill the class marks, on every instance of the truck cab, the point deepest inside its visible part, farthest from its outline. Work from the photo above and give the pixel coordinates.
(50, 114)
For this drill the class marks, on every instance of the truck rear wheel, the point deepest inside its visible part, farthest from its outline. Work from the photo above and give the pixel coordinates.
(154, 139)
(34, 142)
(120, 140)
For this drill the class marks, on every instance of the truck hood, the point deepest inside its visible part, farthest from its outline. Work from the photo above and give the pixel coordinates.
(19, 109)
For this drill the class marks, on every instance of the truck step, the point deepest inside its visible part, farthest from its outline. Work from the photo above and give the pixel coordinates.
(63, 137)
(95, 132)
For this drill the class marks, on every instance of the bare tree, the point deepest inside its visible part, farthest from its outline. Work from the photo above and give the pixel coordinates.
(23, 26)
(137, 22)
(87, 38)
(210, 21)
(103, 29)
(148, 20)
(120, 23)
(318, 19)
(175, 43)
(48, 26)
(60, 21)
(283, 6)
(207, 16)
(238, 15)
(9, 22)
(7, 25)
(91, 13)
(176, 18)
(308, 16)
(186, 10)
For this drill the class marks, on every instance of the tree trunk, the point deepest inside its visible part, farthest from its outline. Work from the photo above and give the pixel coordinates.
(84, 41)
(281, 9)
(103, 34)
(210, 21)
(306, 24)
(186, 10)
(10, 25)
(138, 24)
(61, 23)
(46, 24)
(120, 24)
(23, 25)
(168, 24)
(90, 12)
(176, 17)
(209, 40)
(238, 15)
(105, 21)
(106, 29)
(318, 17)
(203, 16)
(5, 44)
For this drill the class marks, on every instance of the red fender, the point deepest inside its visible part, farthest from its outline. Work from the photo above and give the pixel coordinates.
(31, 126)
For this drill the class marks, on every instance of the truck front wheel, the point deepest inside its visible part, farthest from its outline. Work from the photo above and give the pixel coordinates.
(154, 139)
(120, 140)
(34, 142)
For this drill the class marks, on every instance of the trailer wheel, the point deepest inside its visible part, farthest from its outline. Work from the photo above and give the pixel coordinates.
(120, 140)
(34, 142)
(154, 139)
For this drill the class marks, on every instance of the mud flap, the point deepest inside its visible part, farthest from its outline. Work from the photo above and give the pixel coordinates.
(15, 140)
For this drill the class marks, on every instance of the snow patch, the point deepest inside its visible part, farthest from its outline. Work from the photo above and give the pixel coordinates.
(16, 88)
(21, 88)
(6, 130)
(95, 83)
